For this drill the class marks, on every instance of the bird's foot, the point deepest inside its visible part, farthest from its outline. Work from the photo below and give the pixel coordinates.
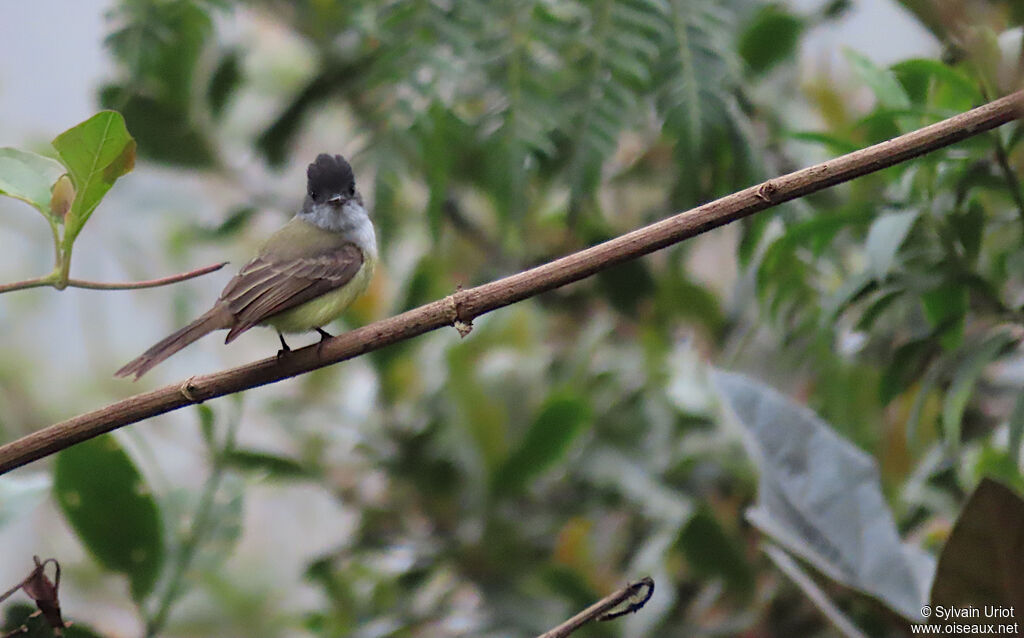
(285, 350)
(324, 336)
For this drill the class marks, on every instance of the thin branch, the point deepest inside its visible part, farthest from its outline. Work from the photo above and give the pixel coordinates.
(603, 609)
(202, 518)
(150, 283)
(50, 280)
(38, 282)
(465, 305)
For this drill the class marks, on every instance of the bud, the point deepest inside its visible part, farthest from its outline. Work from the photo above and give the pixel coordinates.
(63, 196)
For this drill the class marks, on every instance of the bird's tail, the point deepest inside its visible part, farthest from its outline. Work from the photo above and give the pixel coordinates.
(215, 319)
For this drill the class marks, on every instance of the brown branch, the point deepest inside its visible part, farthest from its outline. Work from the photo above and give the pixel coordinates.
(465, 305)
(602, 609)
(149, 283)
(49, 280)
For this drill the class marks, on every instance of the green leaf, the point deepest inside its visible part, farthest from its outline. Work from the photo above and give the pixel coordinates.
(711, 552)
(928, 383)
(278, 467)
(164, 133)
(905, 366)
(224, 82)
(560, 420)
(771, 37)
(29, 177)
(885, 237)
(206, 423)
(18, 615)
(627, 285)
(945, 308)
(882, 82)
(964, 380)
(983, 559)
(881, 302)
(999, 465)
(753, 229)
(95, 152)
(969, 227)
(109, 505)
(919, 76)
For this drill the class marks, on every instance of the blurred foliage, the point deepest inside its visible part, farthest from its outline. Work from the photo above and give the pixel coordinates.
(572, 442)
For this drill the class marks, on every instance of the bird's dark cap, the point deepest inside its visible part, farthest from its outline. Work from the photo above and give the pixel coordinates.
(329, 175)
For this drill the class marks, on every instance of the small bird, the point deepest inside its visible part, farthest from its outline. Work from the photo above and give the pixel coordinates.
(305, 275)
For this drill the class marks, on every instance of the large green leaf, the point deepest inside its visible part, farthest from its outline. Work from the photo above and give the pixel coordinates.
(109, 505)
(95, 152)
(28, 177)
(820, 497)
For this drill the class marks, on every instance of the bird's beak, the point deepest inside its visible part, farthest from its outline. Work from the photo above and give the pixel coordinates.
(336, 200)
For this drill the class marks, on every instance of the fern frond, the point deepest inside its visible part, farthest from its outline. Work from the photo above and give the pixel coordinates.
(622, 43)
(699, 76)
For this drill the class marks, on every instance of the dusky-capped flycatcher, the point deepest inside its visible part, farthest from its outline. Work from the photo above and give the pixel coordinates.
(304, 276)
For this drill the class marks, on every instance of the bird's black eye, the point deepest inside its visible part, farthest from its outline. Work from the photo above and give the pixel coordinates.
(351, 190)
(315, 195)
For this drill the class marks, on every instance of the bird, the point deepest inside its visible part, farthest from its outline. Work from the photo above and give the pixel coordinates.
(304, 276)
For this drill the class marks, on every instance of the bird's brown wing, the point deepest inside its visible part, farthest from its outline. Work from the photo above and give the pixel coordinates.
(267, 286)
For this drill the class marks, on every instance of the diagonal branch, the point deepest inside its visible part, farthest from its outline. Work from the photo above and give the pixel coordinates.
(462, 307)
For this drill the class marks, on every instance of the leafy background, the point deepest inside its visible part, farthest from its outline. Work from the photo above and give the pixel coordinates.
(495, 485)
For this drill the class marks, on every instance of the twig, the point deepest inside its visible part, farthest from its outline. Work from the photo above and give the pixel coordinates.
(50, 280)
(603, 609)
(473, 302)
(38, 282)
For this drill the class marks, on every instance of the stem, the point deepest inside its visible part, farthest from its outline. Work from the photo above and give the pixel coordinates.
(56, 242)
(38, 282)
(54, 280)
(64, 267)
(190, 544)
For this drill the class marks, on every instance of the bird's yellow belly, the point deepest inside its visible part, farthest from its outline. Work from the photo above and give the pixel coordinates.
(319, 312)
